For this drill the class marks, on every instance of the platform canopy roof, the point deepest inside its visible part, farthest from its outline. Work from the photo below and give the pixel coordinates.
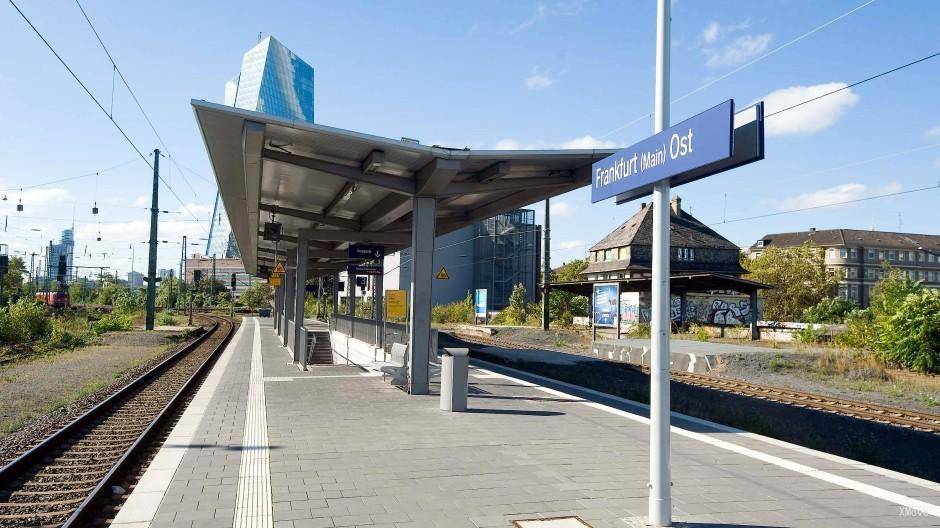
(343, 187)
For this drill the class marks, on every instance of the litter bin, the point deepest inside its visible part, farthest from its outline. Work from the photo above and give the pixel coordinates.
(454, 365)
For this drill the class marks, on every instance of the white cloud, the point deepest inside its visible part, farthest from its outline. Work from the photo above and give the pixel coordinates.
(812, 117)
(933, 133)
(710, 34)
(832, 195)
(569, 244)
(588, 142)
(538, 81)
(142, 201)
(714, 31)
(561, 209)
(508, 144)
(545, 11)
(199, 210)
(741, 50)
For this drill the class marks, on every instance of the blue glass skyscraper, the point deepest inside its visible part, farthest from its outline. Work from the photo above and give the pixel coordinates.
(274, 81)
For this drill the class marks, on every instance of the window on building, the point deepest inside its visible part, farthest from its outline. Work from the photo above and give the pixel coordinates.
(851, 272)
(853, 253)
(831, 252)
(685, 254)
(854, 292)
(881, 254)
(842, 253)
(891, 255)
(901, 256)
(871, 254)
(931, 257)
(608, 254)
(911, 257)
(624, 253)
(760, 243)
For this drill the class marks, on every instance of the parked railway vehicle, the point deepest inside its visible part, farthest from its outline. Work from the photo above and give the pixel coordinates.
(57, 299)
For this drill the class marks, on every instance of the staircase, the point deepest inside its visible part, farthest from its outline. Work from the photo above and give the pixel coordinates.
(319, 348)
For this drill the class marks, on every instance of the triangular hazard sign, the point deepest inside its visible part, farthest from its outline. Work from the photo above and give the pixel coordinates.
(278, 268)
(442, 275)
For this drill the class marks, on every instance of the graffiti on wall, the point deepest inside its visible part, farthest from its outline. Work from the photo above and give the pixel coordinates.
(723, 309)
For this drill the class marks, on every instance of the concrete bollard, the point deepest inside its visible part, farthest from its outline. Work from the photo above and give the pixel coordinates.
(455, 363)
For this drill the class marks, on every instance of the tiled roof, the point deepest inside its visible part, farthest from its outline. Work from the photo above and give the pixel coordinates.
(685, 231)
(852, 238)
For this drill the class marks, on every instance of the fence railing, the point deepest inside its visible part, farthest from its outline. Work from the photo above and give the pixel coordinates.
(371, 331)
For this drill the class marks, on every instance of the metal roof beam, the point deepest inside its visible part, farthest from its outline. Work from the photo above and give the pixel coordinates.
(293, 240)
(436, 176)
(394, 184)
(332, 221)
(494, 171)
(341, 196)
(387, 211)
(471, 187)
(342, 235)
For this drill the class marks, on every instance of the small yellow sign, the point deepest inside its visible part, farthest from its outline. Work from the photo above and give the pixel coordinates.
(395, 304)
(274, 280)
(278, 269)
(442, 275)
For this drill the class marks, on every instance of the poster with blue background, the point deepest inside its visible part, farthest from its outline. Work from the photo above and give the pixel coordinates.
(479, 303)
(605, 304)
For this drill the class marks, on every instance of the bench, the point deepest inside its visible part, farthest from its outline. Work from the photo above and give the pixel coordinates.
(397, 366)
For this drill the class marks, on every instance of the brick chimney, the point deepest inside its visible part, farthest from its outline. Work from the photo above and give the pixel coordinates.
(676, 205)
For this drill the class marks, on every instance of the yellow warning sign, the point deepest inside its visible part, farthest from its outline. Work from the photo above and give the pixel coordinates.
(442, 275)
(395, 304)
(278, 269)
(274, 280)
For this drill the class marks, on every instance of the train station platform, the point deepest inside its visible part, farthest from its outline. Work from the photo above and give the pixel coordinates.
(264, 444)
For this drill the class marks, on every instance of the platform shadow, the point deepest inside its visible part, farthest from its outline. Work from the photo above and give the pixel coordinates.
(521, 412)
(533, 398)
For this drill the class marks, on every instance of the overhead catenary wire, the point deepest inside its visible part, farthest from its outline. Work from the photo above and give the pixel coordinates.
(744, 66)
(100, 106)
(833, 204)
(130, 90)
(70, 178)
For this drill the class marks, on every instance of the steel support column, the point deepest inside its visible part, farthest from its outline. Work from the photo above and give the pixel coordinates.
(300, 295)
(755, 332)
(289, 291)
(378, 300)
(423, 222)
(278, 302)
(335, 294)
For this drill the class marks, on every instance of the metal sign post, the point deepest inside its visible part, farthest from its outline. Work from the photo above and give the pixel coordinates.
(660, 500)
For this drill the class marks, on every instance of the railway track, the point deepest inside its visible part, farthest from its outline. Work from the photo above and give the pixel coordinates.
(866, 411)
(57, 482)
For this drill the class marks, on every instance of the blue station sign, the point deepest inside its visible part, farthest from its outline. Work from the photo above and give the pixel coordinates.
(362, 251)
(700, 140)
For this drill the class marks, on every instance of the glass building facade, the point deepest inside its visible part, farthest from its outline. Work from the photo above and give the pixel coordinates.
(275, 81)
(506, 252)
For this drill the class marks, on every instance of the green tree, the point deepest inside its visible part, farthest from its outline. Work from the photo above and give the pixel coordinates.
(13, 280)
(168, 293)
(78, 292)
(563, 305)
(798, 276)
(910, 337)
(518, 309)
(258, 295)
(829, 310)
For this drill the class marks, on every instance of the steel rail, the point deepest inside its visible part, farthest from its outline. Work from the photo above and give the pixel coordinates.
(66, 435)
(862, 410)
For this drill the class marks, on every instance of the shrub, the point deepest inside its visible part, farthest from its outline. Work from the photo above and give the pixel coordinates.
(23, 322)
(166, 319)
(69, 332)
(457, 312)
(113, 322)
(518, 310)
(127, 301)
(700, 332)
(910, 338)
(860, 331)
(641, 330)
(810, 335)
(829, 310)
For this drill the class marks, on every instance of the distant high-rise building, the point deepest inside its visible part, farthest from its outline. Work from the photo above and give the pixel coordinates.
(166, 274)
(64, 249)
(135, 279)
(275, 81)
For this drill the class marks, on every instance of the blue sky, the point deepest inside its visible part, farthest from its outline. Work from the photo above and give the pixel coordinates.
(480, 74)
